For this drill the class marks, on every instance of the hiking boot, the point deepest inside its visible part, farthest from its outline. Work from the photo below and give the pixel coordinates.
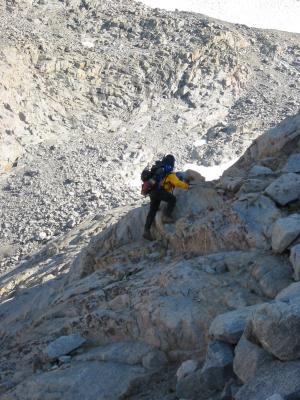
(166, 219)
(147, 235)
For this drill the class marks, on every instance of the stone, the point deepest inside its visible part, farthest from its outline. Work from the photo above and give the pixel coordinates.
(284, 232)
(290, 294)
(65, 359)
(121, 352)
(216, 371)
(155, 359)
(258, 213)
(64, 345)
(217, 368)
(229, 327)
(276, 327)
(284, 189)
(295, 260)
(260, 170)
(273, 273)
(248, 358)
(275, 396)
(186, 368)
(292, 164)
(41, 236)
(230, 389)
(194, 387)
(275, 377)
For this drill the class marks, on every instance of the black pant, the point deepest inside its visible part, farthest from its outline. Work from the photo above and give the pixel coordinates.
(156, 196)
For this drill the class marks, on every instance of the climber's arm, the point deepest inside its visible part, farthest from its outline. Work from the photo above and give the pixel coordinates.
(172, 178)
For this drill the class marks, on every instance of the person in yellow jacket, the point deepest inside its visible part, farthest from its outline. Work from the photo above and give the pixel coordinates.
(163, 192)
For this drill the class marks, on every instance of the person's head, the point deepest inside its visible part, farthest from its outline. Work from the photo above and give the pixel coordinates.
(170, 160)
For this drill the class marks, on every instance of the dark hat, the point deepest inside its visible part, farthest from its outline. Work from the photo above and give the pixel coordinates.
(169, 159)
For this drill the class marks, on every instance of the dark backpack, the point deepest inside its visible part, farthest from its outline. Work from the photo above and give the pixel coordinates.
(152, 178)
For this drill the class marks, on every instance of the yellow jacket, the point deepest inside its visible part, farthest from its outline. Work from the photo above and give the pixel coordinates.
(171, 181)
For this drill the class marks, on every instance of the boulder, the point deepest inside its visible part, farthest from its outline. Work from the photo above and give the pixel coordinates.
(217, 368)
(295, 260)
(230, 389)
(63, 346)
(204, 383)
(155, 359)
(121, 352)
(276, 326)
(260, 170)
(290, 294)
(88, 381)
(273, 273)
(292, 164)
(194, 387)
(229, 327)
(284, 189)
(258, 214)
(275, 396)
(186, 368)
(254, 185)
(284, 232)
(248, 358)
(273, 378)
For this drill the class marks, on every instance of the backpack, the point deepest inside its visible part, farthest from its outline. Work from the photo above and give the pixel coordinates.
(153, 178)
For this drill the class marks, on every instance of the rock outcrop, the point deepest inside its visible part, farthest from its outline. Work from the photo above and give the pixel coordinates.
(118, 306)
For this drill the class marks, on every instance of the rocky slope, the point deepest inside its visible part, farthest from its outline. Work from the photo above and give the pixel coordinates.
(92, 91)
(208, 311)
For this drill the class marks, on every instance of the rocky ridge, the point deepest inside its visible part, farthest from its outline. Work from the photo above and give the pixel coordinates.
(210, 310)
(90, 92)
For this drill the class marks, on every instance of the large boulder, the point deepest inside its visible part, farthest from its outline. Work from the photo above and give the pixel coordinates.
(284, 232)
(260, 170)
(248, 358)
(273, 273)
(186, 368)
(285, 189)
(258, 214)
(229, 327)
(216, 371)
(273, 378)
(293, 163)
(194, 387)
(276, 326)
(290, 294)
(217, 368)
(63, 345)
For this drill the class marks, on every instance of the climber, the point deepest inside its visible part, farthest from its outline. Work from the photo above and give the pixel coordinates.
(159, 184)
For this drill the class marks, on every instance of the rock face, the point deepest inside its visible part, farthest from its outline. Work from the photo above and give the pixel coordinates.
(98, 312)
(85, 380)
